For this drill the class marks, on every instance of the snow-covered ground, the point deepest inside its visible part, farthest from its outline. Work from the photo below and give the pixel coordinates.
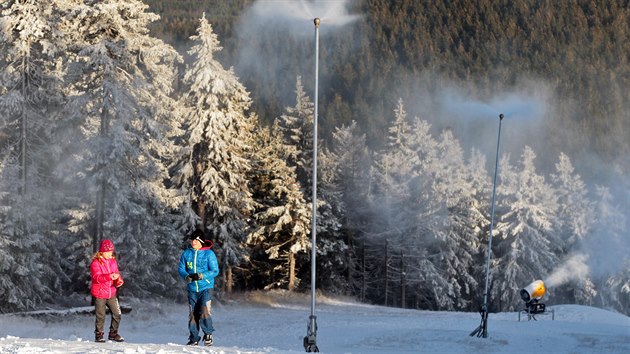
(276, 323)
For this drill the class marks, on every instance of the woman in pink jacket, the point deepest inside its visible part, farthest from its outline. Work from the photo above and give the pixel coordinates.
(105, 280)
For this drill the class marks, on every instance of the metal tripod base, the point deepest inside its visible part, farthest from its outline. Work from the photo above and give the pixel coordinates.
(310, 341)
(482, 330)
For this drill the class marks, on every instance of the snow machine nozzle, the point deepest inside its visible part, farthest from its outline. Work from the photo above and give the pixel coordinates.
(532, 294)
(534, 291)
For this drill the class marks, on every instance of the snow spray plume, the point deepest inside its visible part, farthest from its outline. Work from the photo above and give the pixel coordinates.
(472, 120)
(294, 17)
(574, 268)
(513, 105)
(264, 31)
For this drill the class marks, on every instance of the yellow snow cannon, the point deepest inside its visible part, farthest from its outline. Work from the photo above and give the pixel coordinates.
(532, 294)
(534, 291)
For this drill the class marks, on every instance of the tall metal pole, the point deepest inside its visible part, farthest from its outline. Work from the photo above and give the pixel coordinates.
(310, 341)
(482, 330)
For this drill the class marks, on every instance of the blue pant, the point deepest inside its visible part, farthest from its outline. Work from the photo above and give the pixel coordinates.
(200, 313)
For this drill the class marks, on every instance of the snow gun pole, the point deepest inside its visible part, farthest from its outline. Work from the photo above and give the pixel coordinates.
(482, 330)
(310, 341)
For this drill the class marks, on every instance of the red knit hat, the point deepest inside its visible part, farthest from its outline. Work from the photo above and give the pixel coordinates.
(106, 246)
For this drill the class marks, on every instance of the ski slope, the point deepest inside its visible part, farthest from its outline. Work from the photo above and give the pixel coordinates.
(276, 323)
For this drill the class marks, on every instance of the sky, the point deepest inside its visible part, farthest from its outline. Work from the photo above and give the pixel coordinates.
(276, 322)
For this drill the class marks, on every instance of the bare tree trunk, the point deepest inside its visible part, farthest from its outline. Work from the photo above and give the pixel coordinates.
(201, 212)
(364, 280)
(386, 282)
(100, 215)
(402, 279)
(23, 130)
(100, 196)
(23, 153)
(291, 271)
(350, 264)
(228, 281)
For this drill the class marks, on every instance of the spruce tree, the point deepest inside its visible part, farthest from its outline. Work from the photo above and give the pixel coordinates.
(31, 94)
(352, 157)
(125, 78)
(529, 247)
(283, 217)
(213, 166)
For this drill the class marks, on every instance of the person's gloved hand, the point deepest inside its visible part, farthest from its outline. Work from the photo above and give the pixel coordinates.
(193, 277)
(119, 282)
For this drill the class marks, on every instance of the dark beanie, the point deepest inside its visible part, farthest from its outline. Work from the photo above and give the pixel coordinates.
(198, 234)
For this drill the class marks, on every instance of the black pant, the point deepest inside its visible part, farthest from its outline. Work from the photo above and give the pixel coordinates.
(114, 308)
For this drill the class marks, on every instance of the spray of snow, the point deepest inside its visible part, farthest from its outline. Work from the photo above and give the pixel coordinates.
(298, 13)
(474, 117)
(514, 105)
(576, 267)
(265, 29)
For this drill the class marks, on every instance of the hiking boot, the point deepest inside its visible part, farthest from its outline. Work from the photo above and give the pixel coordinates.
(207, 340)
(99, 337)
(192, 342)
(115, 337)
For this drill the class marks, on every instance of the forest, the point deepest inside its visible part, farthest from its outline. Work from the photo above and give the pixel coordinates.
(579, 48)
(142, 121)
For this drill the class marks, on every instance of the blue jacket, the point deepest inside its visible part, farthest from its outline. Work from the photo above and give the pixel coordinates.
(202, 261)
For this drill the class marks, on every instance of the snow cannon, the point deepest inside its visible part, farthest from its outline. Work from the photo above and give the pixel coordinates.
(532, 294)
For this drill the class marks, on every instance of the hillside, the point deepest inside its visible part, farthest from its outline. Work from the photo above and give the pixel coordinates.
(276, 322)
(414, 49)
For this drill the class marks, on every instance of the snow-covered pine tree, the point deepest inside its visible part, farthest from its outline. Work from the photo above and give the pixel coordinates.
(575, 212)
(331, 245)
(618, 288)
(414, 219)
(528, 248)
(574, 206)
(608, 247)
(394, 223)
(478, 213)
(296, 125)
(214, 164)
(352, 157)
(30, 97)
(125, 77)
(282, 215)
(455, 251)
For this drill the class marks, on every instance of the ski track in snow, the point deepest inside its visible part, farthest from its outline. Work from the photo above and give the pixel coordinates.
(277, 323)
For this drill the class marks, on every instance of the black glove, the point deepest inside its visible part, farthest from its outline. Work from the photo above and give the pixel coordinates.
(193, 277)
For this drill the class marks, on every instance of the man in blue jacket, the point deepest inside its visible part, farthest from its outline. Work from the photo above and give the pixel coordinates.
(198, 266)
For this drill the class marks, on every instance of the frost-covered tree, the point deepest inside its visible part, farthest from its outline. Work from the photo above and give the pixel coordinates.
(352, 157)
(124, 77)
(608, 248)
(350, 151)
(31, 78)
(456, 246)
(31, 75)
(575, 212)
(282, 215)
(618, 288)
(394, 170)
(477, 224)
(394, 223)
(528, 248)
(213, 167)
(412, 215)
(331, 244)
(296, 125)
(574, 207)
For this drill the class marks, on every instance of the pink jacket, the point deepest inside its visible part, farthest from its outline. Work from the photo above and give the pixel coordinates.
(103, 287)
